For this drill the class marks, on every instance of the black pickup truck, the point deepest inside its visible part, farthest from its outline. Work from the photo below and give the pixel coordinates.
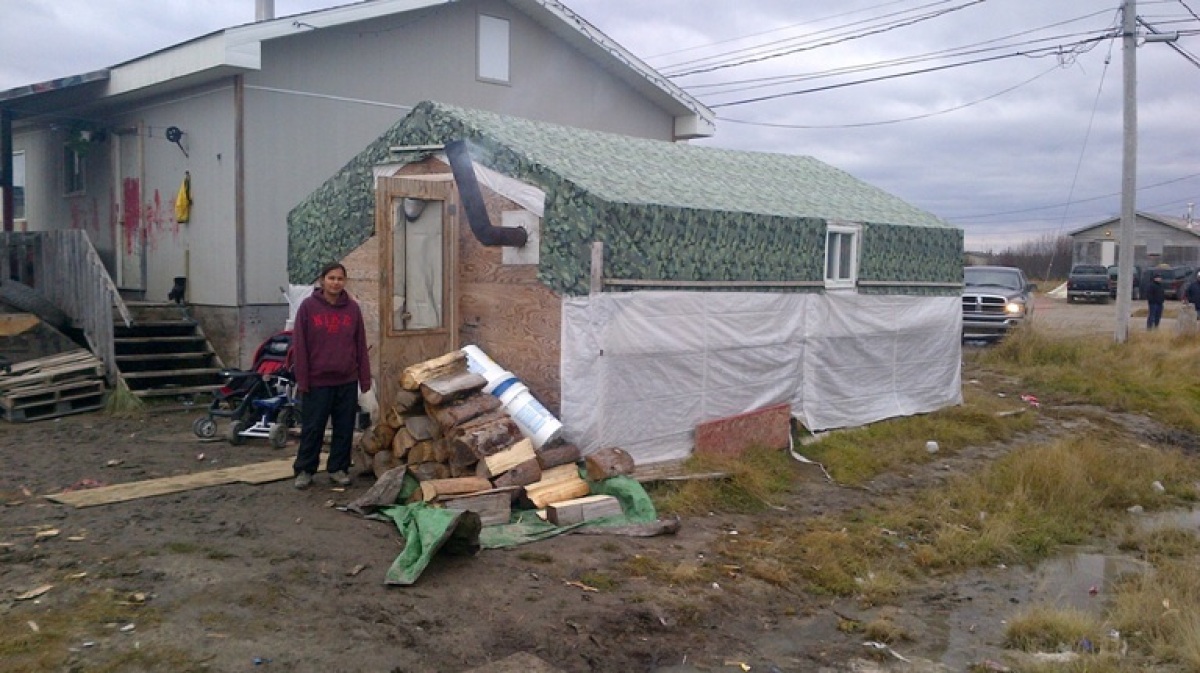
(1088, 281)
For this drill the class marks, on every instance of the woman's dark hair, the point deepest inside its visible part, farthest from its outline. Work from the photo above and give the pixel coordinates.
(330, 267)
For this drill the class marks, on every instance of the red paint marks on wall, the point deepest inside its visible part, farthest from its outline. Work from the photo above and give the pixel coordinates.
(131, 209)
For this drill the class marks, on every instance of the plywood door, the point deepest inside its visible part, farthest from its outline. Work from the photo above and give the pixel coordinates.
(417, 255)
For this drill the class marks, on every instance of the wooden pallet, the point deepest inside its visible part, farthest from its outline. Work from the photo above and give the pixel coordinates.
(62, 407)
(34, 396)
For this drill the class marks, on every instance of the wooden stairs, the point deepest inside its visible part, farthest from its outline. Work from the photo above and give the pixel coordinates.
(164, 353)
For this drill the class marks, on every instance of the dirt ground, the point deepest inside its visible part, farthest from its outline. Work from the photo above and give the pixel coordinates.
(239, 577)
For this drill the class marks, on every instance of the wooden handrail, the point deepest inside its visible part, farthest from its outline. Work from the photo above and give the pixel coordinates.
(64, 267)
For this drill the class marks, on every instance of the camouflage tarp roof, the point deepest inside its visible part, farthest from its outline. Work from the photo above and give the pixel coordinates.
(665, 211)
(638, 171)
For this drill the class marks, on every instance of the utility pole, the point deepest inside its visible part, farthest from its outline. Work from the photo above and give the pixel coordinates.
(1128, 172)
(1126, 251)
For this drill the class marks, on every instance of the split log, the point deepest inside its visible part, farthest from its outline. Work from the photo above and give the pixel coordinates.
(429, 451)
(528, 472)
(382, 462)
(384, 493)
(402, 441)
(498, 463)
(378, 438)
(461, 411)
(486, 439)
(454, 362)
(460, 456)
(435, 488)
(557, 484)
(610, 462)
(578, 510)
(561, 454)
(428, 471)
(493, 507)
(462, 471)
(445, 389)
(422, 427)
(406, 400)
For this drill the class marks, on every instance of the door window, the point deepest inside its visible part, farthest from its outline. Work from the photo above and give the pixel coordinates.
(417, 265)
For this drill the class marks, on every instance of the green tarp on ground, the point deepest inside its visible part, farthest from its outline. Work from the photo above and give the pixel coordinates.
(427, 528)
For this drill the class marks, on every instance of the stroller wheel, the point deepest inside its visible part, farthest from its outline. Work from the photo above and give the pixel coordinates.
(278, 435)
(289, 417)
(235, 432)
(204, 427)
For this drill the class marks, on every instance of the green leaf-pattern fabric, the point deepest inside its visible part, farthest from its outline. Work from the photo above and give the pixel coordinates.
(665, 211)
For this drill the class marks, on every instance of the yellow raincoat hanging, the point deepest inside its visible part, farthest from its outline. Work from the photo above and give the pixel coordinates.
(183, 200)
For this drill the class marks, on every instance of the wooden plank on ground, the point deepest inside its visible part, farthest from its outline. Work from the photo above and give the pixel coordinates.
(258, 473)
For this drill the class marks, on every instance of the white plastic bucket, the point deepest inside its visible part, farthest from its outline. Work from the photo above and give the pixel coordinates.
(535, 421)
(479, 363)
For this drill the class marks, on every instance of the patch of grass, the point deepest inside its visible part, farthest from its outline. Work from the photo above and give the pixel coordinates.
(754, 481)
(1156, 373)
(675, 574)
(1160, 611)
(855, 456)
(884, 630)
(598, 580)
(536, 557)
(1052, 629)
(1021, 507)
(65, 624)
(1160, 543)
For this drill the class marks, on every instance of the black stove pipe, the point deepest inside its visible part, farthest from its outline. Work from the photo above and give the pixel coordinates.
(472, 200)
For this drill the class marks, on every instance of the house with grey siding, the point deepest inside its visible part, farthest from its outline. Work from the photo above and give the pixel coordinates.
(256, 117)
(1158, 239)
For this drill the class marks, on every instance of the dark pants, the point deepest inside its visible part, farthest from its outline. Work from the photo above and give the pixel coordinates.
(317, 407)
(1154, 316)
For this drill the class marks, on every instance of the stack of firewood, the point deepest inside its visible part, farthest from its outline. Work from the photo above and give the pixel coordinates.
(465, 450)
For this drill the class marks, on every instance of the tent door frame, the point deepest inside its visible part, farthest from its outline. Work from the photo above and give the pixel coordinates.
(401, 344)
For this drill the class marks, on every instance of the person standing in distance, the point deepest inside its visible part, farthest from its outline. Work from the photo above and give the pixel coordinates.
(1156, 296)
(329, 345)
(1193, 294)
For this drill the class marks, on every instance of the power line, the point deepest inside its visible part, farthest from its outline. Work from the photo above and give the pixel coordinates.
(902, 24)
(966, 50)
(882, 78)
(892, 121)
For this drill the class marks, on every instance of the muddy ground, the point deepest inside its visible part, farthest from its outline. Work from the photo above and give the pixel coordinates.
(241, 577)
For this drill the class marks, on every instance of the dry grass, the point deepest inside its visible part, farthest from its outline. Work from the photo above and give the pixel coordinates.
(1157, 374)
(1046, 628)
(755, 480)
(68, 623)
(855, 456)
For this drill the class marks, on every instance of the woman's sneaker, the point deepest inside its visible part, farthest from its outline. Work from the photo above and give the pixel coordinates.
(339, 478)
(303, 481)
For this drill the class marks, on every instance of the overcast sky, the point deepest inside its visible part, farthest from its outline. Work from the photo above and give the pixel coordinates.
(1013, 133)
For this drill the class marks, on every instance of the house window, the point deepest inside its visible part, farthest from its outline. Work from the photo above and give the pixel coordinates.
(841, 256)
(73, 171)
(493, 49)
(18, 186)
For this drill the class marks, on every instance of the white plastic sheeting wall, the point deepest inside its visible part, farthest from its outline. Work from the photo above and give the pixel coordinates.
(641, 369)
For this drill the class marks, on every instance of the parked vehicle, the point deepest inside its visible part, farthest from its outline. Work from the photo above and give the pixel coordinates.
(995, 301)
(1175, 279)
(1136, 281)
(1088, 281)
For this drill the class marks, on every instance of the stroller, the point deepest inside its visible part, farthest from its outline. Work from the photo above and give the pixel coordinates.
(260, 402)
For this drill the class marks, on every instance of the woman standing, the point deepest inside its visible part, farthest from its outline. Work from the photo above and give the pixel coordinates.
(329, 343)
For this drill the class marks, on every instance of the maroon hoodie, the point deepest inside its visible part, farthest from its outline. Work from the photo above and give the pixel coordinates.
(330, 343)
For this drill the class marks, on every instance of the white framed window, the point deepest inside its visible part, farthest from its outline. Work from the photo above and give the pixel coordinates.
(841, 255)
(74, 171)
(493, 52)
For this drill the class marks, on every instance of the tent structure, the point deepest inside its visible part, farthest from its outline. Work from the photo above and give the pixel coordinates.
(663, 284)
